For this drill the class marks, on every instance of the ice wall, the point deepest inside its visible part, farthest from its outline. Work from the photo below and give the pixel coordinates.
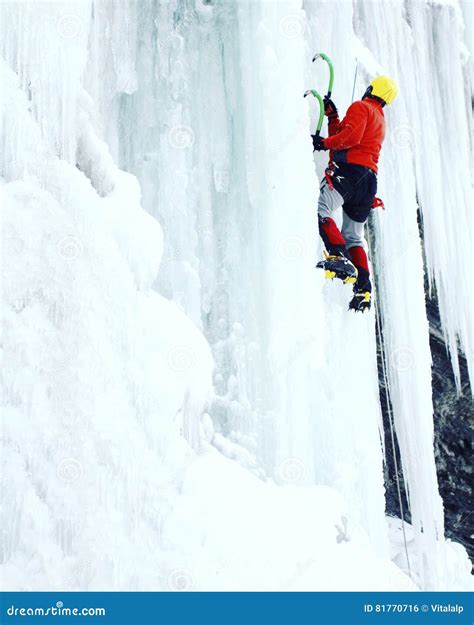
(237, 197)
(245, 184)
(414, 178)
(202, 101)
(90, 441)
(104, 385)
(404, 40)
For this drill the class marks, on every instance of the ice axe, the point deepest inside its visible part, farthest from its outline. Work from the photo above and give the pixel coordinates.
(321, 108)
(313, 92)
(325, 57)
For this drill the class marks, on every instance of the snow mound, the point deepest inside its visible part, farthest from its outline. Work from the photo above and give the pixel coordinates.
(102, 376)
(246, 534)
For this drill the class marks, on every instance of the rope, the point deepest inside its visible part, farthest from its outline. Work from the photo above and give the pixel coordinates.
(381, 342)
(355, 80)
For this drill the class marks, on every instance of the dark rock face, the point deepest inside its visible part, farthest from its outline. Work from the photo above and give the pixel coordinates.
(453, 419)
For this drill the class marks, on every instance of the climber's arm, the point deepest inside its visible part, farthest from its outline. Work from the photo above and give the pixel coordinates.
(353, 127)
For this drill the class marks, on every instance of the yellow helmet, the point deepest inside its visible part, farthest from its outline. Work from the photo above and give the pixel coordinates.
(383, 87)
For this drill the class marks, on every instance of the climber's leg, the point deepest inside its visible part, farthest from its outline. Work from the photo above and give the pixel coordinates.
(337, 263)
(353, 233)
(329, 201)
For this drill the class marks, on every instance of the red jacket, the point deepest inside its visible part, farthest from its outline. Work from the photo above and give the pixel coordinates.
(358, 138)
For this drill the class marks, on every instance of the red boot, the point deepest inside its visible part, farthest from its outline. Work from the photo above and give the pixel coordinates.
(363, 287)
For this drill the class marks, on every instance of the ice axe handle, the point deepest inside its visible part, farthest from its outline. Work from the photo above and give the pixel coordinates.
(325, 57)
(314, 93)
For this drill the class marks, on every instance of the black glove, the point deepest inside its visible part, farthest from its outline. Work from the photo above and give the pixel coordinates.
(318, 143)
(330, 109)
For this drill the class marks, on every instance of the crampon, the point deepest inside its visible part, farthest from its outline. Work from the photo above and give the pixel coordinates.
(338, 267)
(360, 302)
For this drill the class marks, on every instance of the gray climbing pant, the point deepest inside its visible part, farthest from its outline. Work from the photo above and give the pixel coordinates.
(329, 201)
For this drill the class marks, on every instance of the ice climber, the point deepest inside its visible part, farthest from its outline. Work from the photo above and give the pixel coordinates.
(350, 181)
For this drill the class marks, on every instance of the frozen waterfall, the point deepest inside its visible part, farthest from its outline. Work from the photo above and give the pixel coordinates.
(185, 396)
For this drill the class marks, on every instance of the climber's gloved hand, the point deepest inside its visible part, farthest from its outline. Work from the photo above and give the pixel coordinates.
(330, 109)
(318, 143)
